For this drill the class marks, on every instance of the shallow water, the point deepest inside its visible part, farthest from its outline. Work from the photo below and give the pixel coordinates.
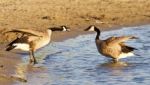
(77, 62)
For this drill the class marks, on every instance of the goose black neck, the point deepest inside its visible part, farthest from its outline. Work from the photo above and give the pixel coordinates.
(56, 29)
(98, 33)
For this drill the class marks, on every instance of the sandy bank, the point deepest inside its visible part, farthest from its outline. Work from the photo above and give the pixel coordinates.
(77, 14)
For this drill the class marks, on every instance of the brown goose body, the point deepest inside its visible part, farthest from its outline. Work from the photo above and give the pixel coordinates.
(113, 47)
(32, 40)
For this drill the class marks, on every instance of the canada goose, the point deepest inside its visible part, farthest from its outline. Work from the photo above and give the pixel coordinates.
(113, 47)
(32, 40)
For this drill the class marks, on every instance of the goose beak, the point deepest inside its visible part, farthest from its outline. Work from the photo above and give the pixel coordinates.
(68, 30)
(86, 29)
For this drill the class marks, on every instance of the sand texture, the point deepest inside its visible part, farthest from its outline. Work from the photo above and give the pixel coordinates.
(77, 14)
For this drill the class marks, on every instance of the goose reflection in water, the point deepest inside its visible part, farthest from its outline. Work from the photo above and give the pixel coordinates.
(116, 68)
(24, 71)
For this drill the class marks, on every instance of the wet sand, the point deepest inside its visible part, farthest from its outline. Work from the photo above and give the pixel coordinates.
(8, 63)
(77, 14)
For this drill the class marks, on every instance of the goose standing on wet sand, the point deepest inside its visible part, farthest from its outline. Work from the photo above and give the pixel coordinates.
(32, 40)
(113, 47)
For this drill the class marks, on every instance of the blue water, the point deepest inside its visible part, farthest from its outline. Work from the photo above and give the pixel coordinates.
(77, 62)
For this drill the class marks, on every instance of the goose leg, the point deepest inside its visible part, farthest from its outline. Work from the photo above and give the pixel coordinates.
(115, 60)
(32, 58)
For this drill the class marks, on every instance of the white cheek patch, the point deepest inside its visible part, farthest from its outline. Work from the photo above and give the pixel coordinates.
(22, 46)
(92, 28)
(124, 55)
(64, 29)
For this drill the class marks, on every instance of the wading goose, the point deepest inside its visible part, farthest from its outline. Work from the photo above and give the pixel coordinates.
(113, 47)
(32, 40)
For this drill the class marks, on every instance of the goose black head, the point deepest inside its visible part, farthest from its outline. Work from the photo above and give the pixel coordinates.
(65, 28)
(91, 28)
(61, 28)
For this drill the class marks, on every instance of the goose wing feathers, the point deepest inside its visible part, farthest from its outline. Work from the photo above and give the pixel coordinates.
(19, 40)
(126, 48)
(26, 31)
(117, 40)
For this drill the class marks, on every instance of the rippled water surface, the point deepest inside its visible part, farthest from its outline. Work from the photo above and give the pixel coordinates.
(77, 62)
